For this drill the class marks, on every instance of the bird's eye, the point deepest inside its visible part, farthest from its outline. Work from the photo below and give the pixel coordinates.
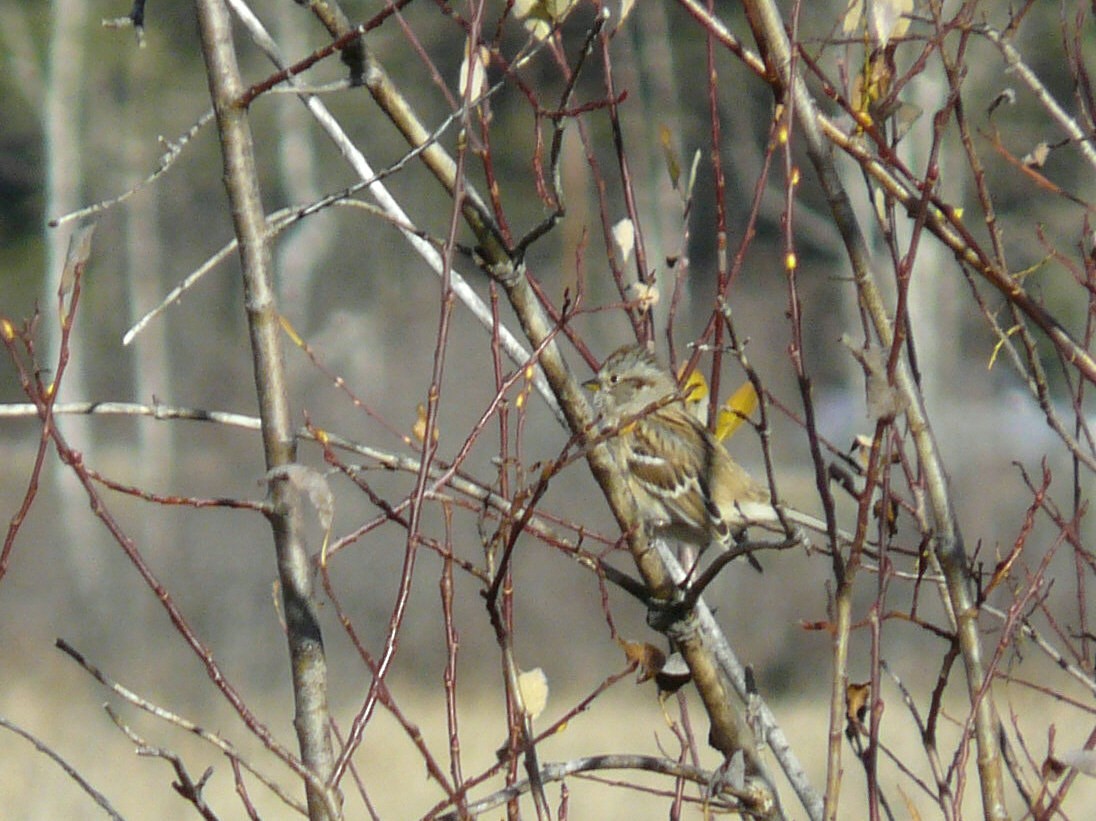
(613, 379)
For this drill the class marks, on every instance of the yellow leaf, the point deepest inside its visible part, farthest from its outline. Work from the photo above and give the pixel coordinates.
(735, 411)
(695, 392)
(695, 388)
(418, 430)
(853, 15)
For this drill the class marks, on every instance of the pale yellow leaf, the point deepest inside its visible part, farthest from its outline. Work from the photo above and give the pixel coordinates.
(888, 19)
(879, 200)
(418, 429)
(538, 16)
(557, 9)
(479, 59)
(854, 13)
(533, 685)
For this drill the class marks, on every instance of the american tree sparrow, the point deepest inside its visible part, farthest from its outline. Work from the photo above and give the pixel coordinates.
(683, 481)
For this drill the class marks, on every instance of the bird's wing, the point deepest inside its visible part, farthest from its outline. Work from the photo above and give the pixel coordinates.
(670, 468)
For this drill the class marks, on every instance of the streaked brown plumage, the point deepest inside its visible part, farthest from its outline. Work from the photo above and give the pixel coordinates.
(682, 478)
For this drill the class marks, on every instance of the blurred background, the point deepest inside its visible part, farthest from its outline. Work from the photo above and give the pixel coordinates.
(87, 116)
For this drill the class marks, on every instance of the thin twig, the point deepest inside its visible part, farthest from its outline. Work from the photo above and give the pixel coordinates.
(70, 771)
(163, 714)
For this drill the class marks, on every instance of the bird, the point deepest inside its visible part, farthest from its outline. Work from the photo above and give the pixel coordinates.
(684, 482)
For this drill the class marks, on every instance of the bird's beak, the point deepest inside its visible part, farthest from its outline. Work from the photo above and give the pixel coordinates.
(592, 385)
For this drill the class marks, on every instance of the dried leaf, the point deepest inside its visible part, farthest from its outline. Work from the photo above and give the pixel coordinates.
(879, 201)
(418, 430)
(648, 659)
(480, 58)
(1082, 760)
(854, 13)
(856, 702)
(539, 16)
(533, 686)
(533, 17)
(557, 9)
(79, 251)
(1037, 157)
(888, 19)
